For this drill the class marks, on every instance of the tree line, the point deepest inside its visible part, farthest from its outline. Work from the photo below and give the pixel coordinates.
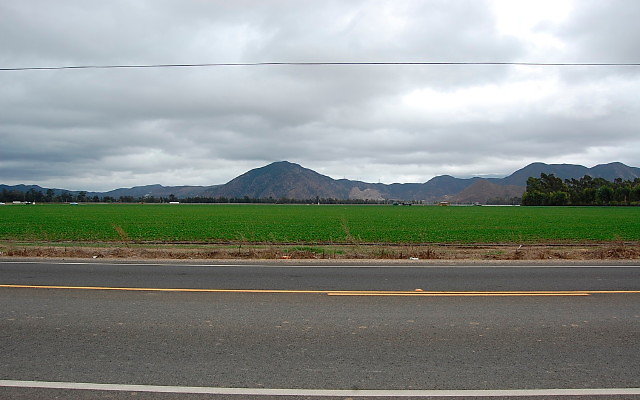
(50, 196)
(549, 190)
(37, 196)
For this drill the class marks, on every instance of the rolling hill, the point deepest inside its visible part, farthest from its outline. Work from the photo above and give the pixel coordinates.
(284, 179)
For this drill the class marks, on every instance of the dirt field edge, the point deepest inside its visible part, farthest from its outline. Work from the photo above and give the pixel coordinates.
(340, 253)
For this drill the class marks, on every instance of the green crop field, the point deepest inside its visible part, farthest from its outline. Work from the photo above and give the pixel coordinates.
(311, 224)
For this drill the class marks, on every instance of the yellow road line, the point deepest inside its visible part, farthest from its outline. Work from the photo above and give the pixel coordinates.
(435, 294)
(338, 292)
(423, 292)
(612, 291)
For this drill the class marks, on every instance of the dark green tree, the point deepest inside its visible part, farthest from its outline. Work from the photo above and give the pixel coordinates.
(634, 194)
(49, 196)
(604, 195)
(558, 198)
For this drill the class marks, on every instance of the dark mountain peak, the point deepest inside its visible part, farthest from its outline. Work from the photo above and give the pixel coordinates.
(563, 171)
(277, 170)
(442, 178)
(443, 185)
(608, 171)
(279, 179)
(536, 164)
(541, 165)
(614, 170)
(282, 165)
(154, 186)
(612, 164)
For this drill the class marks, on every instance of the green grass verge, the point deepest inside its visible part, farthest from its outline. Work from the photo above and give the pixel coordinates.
(311, 224)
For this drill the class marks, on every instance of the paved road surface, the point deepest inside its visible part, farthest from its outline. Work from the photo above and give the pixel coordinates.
(348, 328)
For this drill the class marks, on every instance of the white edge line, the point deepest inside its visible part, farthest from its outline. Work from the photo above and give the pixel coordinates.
(276, 265)
(317, 392)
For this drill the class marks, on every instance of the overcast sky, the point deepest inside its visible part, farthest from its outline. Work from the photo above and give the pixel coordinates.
(100, 129)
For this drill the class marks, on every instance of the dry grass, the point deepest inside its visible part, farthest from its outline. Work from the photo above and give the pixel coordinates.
(605, 251)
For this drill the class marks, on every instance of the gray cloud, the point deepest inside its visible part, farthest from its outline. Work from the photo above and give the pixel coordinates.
(101, 129)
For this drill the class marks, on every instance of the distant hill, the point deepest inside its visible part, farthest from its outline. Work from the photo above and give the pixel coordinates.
(26, 188)
(284, 179)
(155, 191)
(482, 191)
(614, 170)
(609, 172)
(281, 180)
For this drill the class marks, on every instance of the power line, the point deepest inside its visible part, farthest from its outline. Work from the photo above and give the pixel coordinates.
(320, 63)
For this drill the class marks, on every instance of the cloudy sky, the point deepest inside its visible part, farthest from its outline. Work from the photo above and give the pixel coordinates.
(99, 129)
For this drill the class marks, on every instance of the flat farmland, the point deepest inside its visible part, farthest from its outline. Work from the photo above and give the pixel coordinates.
(316, 224)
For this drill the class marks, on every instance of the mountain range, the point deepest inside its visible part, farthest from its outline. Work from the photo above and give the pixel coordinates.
(284, 179)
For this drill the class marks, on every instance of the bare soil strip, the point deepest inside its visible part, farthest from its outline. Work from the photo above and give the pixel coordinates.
(249, 251)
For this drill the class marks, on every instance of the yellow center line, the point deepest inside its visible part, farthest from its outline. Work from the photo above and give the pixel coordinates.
(339, 292)
(612, 291)
(461, 294)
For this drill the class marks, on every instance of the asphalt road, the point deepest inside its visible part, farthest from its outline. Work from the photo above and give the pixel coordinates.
(322, 328)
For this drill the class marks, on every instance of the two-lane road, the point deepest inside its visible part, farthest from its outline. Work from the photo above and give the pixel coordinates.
(316, 329)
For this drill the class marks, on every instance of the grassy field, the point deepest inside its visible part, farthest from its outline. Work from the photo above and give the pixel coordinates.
(312, 224)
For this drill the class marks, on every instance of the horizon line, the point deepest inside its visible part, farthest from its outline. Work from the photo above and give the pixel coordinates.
(486, 177)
